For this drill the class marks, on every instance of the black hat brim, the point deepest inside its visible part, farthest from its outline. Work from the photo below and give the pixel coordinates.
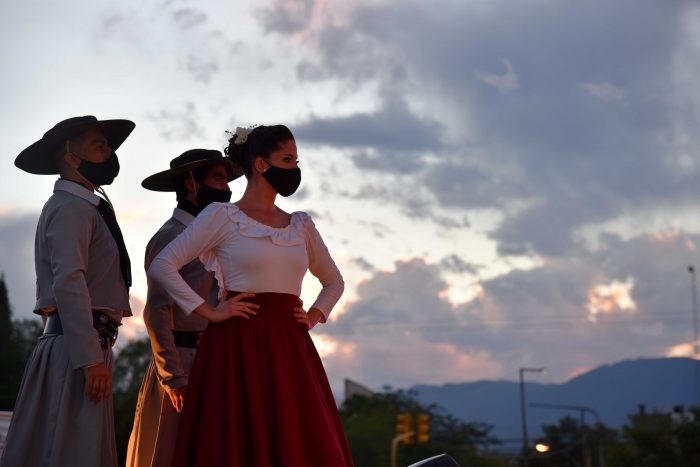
(39, 158)
(165, 180)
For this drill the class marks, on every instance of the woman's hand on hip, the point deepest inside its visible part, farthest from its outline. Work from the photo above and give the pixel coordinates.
(309, 318)
(228, 308)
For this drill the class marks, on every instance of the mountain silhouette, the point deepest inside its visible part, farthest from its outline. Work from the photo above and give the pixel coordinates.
(613, 392)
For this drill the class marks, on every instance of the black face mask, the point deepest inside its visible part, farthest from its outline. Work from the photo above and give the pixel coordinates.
(102, 173)
(207, 195)
(284, 181)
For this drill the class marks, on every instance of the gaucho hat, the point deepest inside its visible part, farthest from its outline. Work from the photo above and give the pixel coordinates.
(39, 158)
(189, 160)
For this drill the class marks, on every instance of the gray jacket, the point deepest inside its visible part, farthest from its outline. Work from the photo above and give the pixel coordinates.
(77, 269)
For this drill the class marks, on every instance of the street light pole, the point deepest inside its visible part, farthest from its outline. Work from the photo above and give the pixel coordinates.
(581, 409)
(523, 415)
(693, 285)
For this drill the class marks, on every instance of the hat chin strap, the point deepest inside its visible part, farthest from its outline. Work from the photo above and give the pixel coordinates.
(98, 189)
(89, 183)
(102, 191)
(194, 186)
(77, 172)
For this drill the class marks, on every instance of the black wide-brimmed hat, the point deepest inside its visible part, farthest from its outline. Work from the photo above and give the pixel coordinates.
(39, 158)
(189, 160)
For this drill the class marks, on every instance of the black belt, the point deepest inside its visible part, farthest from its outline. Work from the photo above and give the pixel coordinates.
(188, 339)
(106, 328)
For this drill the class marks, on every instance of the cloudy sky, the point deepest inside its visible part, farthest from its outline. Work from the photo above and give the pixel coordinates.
(502, 183)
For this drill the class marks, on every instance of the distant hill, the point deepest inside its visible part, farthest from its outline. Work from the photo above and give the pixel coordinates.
(613, 391)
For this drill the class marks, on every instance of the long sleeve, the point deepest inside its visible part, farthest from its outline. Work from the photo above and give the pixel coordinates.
(157, 314)
(68, 234)
(207, 231)
(323, 267)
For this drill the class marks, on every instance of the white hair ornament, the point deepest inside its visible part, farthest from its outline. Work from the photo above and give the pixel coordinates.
(242, 135)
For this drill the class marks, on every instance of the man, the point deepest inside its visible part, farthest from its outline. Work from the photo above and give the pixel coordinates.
(63, 414)
(198, 177)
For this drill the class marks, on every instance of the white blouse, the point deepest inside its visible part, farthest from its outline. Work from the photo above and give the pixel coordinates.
(247, 256)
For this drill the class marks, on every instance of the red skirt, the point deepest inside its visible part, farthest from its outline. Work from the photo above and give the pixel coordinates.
(258, 396)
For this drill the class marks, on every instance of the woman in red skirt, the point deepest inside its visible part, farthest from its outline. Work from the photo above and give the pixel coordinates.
(258, 394)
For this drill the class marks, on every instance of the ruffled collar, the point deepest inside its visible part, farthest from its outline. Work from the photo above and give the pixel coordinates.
(292, 234)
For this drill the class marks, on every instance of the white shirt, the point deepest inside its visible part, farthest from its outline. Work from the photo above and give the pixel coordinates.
(247, 256)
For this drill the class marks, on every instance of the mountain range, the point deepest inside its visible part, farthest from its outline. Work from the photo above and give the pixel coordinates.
(610, 394)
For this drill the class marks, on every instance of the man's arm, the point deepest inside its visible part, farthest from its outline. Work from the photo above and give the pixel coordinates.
(157, 315)
(68, 233)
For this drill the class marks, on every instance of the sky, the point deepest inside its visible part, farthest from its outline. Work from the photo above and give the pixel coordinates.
(502, 183)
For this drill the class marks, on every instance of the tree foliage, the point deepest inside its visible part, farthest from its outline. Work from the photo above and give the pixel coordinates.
(17, 340)
(370, 427)
(647, 440)
(130, 365)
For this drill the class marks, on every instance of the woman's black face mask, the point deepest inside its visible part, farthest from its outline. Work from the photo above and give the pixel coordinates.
(284, 181)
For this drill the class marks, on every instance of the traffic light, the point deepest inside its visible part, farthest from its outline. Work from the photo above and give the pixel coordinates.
(423, 428)
(404, 424)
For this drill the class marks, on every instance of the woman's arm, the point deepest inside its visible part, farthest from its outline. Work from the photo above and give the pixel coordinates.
(322, 266)
(209, 229)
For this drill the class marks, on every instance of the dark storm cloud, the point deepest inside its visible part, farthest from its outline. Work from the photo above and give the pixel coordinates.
(456, 183)
(543, 314)
(393, 128)
(526, 317)
(393, 162)
(574, 100)
(399, 323)
(410, 293)
(17, 261)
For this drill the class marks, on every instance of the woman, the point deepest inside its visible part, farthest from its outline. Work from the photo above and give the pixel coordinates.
(258, 394)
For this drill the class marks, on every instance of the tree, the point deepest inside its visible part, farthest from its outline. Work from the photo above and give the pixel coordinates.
(572, 444)
(5, 316)
(370, 427)
(647, 440)
(659, 440)
(17, 339)
(130, 365)
(687, 432)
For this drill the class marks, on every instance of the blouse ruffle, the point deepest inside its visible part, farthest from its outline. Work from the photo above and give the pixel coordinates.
(292, 234)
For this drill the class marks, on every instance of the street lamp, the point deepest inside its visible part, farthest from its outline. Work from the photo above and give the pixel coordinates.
(542, 448)
(523, 415)
(581, 409)
(693, 285)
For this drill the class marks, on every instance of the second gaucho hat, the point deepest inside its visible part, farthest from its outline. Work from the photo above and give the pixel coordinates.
(188, 160)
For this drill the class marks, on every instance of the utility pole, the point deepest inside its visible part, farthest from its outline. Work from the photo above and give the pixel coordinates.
(523, 414)
(693, 285)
